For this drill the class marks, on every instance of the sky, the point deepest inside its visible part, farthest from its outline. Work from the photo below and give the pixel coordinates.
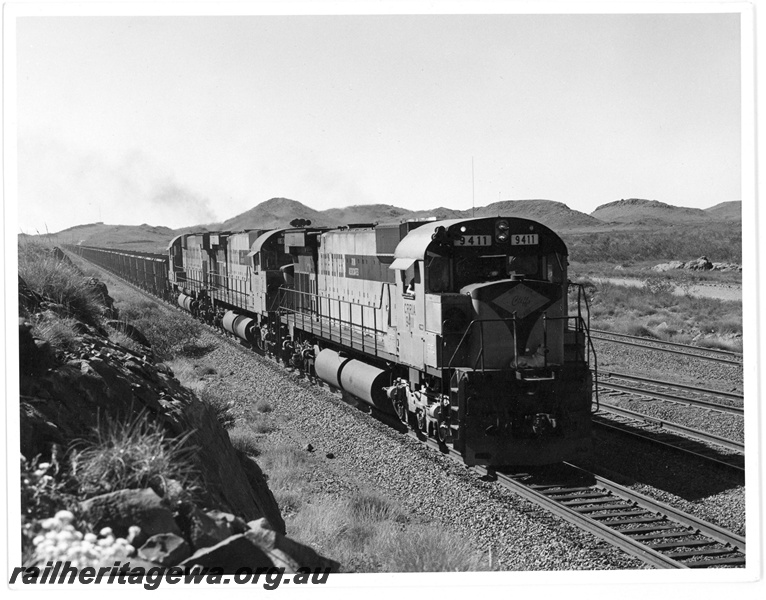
(183, 120)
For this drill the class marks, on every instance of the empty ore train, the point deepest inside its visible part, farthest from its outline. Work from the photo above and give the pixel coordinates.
(465, 329)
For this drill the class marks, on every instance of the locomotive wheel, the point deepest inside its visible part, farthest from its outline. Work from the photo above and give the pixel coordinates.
(422, 422)
(260, 343)
(400, 408)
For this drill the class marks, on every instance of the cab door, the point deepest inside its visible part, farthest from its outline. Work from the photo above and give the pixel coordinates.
(410, 324)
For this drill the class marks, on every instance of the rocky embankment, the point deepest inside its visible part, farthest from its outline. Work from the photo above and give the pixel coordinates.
(228, 520)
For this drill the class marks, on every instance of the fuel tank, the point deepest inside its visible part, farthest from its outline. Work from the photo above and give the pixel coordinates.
(241, 326)
(355, 377)
(187, 302)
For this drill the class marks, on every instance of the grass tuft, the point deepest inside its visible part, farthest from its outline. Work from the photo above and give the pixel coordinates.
(133, 454)
(59, 332)
(59, 281)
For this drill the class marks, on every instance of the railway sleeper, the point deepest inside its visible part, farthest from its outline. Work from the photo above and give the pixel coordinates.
(575, 495)
(631, 513)
(564, 490)
(706, 552)
(653, 528)
(590, 509)
(601, 500)
(658, 536)
(653, 519)
(683, 544)
(712, 562)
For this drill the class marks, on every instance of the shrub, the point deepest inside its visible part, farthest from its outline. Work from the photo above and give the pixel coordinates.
(59, 281)
(424, 549)
(43, 490)
(133, 454)
(244, 439)
(59, 332)
(263, 406)
(170, 334)
(658, 285)
(224, 409)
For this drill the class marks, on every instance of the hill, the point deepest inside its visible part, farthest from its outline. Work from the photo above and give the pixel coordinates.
(144, 237)
(639, 211)
(650, 218)
(726, 211)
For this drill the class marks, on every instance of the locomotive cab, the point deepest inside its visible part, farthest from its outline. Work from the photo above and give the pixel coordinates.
(484, 309)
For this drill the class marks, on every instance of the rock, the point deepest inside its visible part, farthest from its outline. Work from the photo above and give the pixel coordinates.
(35, 356)
(330, 455)
(165, 549)
(673, 264)
(201, 530)
(701, 264)
(284, 552)
(308, 448)
(131, 331)
(234, 523)
(231, 554)
(119, 510)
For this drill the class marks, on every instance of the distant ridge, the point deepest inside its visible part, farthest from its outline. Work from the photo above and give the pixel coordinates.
(278, 212)
(726, 210)
(637, 210)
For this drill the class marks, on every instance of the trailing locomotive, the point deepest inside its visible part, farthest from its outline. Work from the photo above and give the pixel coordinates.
(460, 327)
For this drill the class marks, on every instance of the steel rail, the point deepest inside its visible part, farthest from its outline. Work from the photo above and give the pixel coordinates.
(675, 427)
(676, 344)
(679, 386)
(737, 410)
(659, 349)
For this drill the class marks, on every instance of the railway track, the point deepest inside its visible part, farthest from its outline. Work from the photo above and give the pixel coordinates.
(654, 532)
(725, 452)
(681, 438)
(722, 356)
(682, 394)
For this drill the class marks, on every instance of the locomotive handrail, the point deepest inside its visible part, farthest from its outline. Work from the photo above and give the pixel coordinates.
(285, 304)
(481, 333)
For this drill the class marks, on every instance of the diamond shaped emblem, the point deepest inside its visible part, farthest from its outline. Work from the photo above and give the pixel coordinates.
(521, 300)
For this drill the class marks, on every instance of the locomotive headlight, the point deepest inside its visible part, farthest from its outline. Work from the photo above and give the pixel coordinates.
(501, 231)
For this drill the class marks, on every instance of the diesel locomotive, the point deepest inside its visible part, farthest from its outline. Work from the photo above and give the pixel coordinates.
(467, 330)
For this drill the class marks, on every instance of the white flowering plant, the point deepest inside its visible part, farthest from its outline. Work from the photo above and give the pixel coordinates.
(43, 489)
(57, 539)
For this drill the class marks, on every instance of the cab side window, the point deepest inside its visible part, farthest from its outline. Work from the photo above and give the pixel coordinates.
(410, 277)
(437, 274)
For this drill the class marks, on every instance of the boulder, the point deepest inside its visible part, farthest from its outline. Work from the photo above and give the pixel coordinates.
(230, 555)
(124, 508)
(700, 264)
(668, 266)
(232, 522)
(200, 529)
(165, 549)
(130, 331)
(284, 552)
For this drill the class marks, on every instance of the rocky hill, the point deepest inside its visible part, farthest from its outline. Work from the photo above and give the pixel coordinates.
(639, 211)
(144, 237)
(729, 211)
(620, 216)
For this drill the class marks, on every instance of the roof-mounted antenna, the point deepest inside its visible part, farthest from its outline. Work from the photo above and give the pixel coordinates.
(473, 192)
